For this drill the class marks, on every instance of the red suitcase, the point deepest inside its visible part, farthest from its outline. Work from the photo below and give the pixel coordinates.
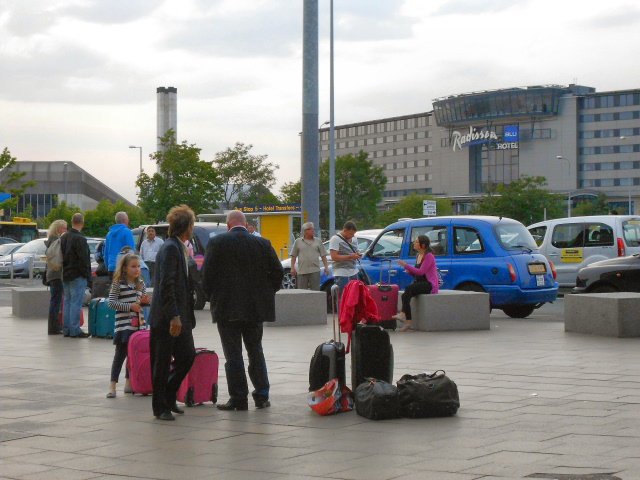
(386, 297)
(60, 316)
(139, 362)
(201, 383)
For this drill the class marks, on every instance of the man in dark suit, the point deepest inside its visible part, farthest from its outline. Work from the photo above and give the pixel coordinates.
(171, 316)
(241, 274)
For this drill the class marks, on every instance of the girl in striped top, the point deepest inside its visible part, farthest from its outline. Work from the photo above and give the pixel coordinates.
(127, 293)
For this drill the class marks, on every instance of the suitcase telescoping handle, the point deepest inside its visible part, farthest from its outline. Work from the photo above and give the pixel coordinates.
(335, 304)
(382, 260)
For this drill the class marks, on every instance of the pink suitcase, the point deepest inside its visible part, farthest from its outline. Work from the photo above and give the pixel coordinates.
(201, 383)
(139, 362)
(386, 298)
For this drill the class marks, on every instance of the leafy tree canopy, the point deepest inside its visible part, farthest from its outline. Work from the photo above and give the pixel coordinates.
(411, 207)
(359, 187)
(598, 206)
(257, 195)
(524, 200)
(236, 168)
(16, 191)
(183, 179)
(291, 192)
(98, 220)
(63, 211)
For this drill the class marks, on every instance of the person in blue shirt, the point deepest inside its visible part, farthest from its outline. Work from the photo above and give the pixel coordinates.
(119, 236)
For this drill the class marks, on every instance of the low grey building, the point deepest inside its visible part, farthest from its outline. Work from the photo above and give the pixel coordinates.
(64, 180)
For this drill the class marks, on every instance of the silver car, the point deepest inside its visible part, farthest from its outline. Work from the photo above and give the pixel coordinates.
(35, 250)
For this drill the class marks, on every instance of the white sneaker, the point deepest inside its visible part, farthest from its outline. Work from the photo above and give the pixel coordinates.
(407, 328)
(399, 318)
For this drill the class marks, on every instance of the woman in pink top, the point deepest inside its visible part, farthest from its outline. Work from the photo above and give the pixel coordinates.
(425, 279)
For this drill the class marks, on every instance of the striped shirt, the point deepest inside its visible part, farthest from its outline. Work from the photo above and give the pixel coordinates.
(121, 296)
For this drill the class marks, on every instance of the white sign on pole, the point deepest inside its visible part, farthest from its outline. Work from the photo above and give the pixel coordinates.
(429, 208)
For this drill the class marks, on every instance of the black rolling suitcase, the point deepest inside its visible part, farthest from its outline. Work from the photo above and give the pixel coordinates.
(371, 355)
(328, 361)
(100, 287)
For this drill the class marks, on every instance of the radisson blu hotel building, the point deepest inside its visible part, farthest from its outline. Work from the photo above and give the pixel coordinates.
(582, 141)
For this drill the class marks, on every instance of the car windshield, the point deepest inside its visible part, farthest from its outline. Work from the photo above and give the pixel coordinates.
(514, 236)
(8, 248)
(389, 244)
(31, 247)
(631, 232)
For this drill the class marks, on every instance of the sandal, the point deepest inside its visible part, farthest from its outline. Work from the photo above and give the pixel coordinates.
(111, 395)
(399, 318)
(128, 389)
(407, 328)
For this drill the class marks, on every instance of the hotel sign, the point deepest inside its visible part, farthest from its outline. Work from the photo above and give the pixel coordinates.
(474, 137)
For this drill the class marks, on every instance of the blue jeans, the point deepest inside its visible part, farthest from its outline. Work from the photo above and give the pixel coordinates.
(73, 294)
(342, 281)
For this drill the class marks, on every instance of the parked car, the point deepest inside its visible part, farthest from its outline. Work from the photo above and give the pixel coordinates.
(573, 243)
(4, 240)
(364, 239)
(474, 253)
(35, 249)
(93, 243)
(621, 274)
(9, 248)
(202, 232)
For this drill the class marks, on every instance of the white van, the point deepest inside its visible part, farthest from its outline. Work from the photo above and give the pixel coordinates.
(573, 243)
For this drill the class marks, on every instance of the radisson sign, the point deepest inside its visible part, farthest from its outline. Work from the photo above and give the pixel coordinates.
(472, 138)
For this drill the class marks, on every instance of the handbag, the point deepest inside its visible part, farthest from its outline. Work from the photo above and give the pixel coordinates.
(377, 400)
(428, 395)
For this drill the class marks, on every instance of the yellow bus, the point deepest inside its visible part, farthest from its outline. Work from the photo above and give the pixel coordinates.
(20, 229)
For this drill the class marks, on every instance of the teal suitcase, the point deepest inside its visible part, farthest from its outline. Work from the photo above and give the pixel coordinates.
(102, 319)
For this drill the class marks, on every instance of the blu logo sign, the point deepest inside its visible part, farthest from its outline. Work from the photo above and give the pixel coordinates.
(511, 133)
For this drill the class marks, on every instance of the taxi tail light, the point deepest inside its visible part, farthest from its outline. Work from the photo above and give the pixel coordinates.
(620, 248)
(512, 272)
(553, 270)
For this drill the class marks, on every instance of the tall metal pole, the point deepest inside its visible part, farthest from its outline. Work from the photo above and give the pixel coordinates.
(65, 182)
(332, 143)
(560, 157)
(309, 180)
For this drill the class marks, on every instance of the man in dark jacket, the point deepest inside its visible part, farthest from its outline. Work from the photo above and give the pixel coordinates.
(76, 272)
(171, 316)
(241, 274)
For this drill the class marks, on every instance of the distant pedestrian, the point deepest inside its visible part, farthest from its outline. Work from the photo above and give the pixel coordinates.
(54, 273)
(149, 250)
(344, 254)
(241, 275)
(76, 272)
(308, 250)
(119, 236)
(128, 293)
(252, 230)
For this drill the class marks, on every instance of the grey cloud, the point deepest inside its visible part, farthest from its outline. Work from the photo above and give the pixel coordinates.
(27, 18)
(112, 11)
(473, 7)
(623, 18)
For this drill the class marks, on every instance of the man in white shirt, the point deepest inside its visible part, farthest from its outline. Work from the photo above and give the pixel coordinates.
(344, 254)
(252, 230)
(149, 250)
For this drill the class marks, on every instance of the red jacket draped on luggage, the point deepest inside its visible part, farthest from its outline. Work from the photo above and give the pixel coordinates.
(356, 305)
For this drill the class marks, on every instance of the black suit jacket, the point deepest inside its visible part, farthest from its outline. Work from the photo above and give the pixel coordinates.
(241, 274)
(172, 291)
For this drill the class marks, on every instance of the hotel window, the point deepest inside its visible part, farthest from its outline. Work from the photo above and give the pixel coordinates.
(411, 136)
(411, 150)
(429, 176)
(390, 179)
(342, 144)
(381, 128)
(377, 154)
(607, 117)
(587, 118)
(626, 148)
(627, 132)
(371, 129)
(390, 153)
(324, 147)
(410, 164)
(390, 127)
(628, 115)
(361, 142)
(342, 133)
(400, 125)
(626, 165)
(411, 123)
(587, 167)
(379, 140)
(606, 166)
(429, 162)
(606, 133)
(400, 138)
(588, 134)
(361, 130)
(420, 163)
(429, 133)
(422, 121)
(371, 141)
(421, 177)
(421, 135)
(388, 139)
(606, 182)
(399, 151)
(351, 143)
(421, 149)
(324, 136)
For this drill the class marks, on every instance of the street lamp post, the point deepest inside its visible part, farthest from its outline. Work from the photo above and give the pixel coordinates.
(623, 138)
(332, 139)
(560, 157)
(133, 146)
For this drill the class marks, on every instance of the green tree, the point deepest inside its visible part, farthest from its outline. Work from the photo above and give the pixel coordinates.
(257, 195)
(62, 211)
(98, 220)
(359, 187)
(7, 161)
(182, 179)
(237, 167)
(411, 207)
(597, 206)
(524, 200)
(291, 192)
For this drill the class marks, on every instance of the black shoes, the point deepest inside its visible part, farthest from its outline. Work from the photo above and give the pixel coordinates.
(262, 403)
(176, 409)
(234, 405)
(67, 335)
(59, 332)
(81, 335)
(166, 416)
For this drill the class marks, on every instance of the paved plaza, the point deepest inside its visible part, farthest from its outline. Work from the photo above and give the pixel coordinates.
(536, 402)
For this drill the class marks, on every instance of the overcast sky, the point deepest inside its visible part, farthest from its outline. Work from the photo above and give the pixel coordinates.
(78, 78)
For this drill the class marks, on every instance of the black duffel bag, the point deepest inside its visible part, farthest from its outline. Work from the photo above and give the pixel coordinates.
(422, 395)
(377, 400)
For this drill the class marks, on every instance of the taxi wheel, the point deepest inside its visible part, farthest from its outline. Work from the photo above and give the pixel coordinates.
(518, 311)
(289, 281)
